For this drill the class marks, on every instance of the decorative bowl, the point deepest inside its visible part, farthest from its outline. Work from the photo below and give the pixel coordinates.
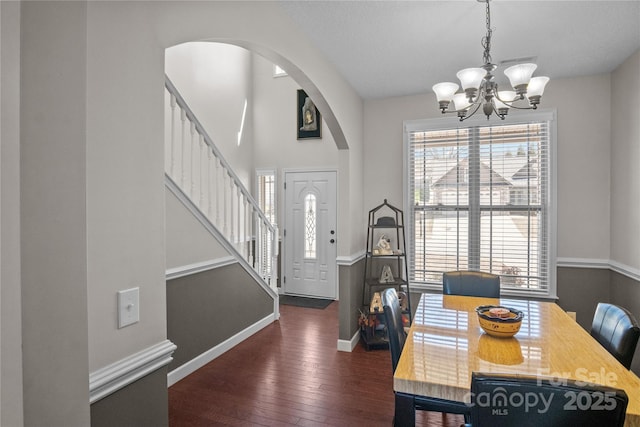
(498, 321)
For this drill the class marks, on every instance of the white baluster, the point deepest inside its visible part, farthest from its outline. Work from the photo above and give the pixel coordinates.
(259, 245)
(225, 204)
(239, 219)
(274, 259)
(231, 216)
(172, 103)
(265, 250)
(183, 159)
(203, 158)
(250, 252)
(192, 166)
(209, 183)
(217, 191)
(246, 239)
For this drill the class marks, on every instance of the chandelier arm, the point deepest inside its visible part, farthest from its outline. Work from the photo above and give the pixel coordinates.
(477, 103)
(463, 118)
(450, 111)
(511, 105)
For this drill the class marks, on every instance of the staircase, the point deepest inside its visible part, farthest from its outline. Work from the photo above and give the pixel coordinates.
(200, 177)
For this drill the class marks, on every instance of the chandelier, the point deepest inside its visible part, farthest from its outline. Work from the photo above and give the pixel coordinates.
(481, 90)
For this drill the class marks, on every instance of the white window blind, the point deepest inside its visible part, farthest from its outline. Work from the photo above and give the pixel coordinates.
(266, 189)
(478, 199)
(266, 195)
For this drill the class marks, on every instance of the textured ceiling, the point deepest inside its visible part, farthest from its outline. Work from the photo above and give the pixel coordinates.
(395, 48)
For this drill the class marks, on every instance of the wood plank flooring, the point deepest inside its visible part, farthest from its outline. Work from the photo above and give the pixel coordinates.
(290, 373)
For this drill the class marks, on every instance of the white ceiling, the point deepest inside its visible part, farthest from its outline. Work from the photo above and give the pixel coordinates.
(394, 48)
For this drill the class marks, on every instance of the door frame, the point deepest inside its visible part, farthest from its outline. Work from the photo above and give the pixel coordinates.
(282, 213)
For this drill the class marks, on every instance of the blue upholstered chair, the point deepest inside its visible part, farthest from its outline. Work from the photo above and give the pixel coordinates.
(471, 283)
(407, 404)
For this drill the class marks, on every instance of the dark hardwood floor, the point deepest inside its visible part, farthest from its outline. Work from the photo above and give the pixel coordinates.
(290, 373)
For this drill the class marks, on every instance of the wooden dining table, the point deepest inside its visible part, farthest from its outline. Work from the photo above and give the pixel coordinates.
(445, 344)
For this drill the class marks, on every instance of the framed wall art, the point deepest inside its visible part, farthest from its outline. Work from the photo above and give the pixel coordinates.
(309, 119)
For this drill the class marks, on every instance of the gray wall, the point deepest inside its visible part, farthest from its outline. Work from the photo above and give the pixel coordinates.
(350, 294)
(11, 408)
(581, 289)
(207, 308)
(140, 404)
(626, 292)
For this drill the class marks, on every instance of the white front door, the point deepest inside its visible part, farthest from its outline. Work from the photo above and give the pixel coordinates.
(310, 235)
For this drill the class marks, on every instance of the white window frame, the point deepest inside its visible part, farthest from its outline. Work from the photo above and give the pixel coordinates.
(267, 172)
(451, 122)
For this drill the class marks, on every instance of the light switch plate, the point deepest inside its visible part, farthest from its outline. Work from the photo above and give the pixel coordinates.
(128, 307)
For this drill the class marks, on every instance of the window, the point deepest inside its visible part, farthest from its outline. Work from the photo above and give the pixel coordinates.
(310, 226)
(266, 192)
(266, 198)
(479, 198)
(278, 71)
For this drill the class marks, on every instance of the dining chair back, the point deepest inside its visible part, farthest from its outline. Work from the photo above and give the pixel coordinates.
(393, 321)
(510, 400)
(616, 329)
(406, 404)
(471, 283)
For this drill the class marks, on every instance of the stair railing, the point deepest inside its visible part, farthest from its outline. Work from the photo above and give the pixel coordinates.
(196, 165)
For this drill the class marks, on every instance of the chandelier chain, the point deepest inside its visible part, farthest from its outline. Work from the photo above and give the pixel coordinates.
(486, 40)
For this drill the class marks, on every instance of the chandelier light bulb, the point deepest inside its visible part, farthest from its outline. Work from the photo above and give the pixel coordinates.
(536, 86)
(445, 91)
(519, 76)
(506, 96)
(460, 101)
(470, 78)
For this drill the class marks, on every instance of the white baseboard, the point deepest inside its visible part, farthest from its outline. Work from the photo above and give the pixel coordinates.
(349, 345)
(125, 371)
(209, 355)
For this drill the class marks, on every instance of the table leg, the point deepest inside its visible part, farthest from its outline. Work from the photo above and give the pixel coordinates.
(405, 413)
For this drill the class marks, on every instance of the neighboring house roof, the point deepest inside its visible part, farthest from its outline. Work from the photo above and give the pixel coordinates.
(502, 171)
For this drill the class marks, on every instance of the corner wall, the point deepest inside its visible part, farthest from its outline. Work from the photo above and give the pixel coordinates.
(625, 158)
(625, 188)
(54, 218)
(11, 402)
